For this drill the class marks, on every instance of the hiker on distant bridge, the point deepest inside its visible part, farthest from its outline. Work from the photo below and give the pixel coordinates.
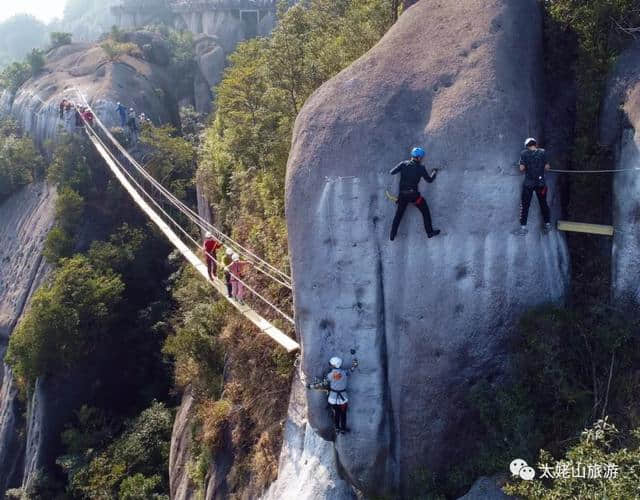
(122, 111)
(335, 382)
(534, 163)
(227, 260)
(133, 126)
(411, 171)
(210, 246)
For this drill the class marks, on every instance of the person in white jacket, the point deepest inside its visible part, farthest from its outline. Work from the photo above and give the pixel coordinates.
(335, 382)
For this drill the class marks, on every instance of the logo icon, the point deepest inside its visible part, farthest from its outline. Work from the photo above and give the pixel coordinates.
(520, 468)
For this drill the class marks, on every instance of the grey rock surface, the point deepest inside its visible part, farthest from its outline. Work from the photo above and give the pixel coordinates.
(620, 129)
(427, 318)
(25, 220)
(487, 488)
(180, 485)
(307, 468)
(135, 82)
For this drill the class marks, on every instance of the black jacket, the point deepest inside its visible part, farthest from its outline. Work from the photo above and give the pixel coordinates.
(411, 171)
(534, 162)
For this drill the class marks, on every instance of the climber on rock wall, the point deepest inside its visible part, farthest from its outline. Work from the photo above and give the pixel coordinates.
(534, 163)
(335, 382)
(411, 171)
(210, 246)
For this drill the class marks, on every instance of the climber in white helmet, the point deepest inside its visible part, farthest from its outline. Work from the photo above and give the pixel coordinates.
(534, 164)
(335, 382)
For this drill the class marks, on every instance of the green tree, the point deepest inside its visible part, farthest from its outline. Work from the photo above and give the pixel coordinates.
(599, 446)
(20, 162)
(58, 39)
(14, 75)
(36, 61)
(133, 466)
(68, 318)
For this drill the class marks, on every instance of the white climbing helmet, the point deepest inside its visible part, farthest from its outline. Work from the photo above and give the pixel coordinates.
(229, 251)
(336, 362)
(235, 257)
(208, 235)
(528, 142)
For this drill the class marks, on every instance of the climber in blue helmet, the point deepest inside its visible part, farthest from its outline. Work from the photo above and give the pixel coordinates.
(411, 171)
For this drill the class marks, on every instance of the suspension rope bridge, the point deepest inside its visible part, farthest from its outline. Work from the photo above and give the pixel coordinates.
(163, 220)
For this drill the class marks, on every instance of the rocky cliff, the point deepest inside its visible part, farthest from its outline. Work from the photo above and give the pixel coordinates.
(136, 82)
(26, 219)
(620, 125)
(427, 319)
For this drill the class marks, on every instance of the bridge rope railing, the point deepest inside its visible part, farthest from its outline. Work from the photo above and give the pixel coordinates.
(128, 181)
(260, 264)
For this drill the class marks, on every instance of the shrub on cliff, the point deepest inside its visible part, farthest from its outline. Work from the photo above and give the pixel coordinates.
(603, 464)
(133, 466)
(20, 162)
(58, 39)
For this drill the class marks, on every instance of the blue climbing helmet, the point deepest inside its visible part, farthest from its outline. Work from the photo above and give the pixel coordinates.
(417, 153)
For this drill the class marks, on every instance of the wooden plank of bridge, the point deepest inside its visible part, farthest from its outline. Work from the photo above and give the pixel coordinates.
(582, 227)
(263, 325)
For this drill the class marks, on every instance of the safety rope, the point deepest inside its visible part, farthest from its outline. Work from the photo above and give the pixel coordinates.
(179, 227)
(593, 171)
(205, 225)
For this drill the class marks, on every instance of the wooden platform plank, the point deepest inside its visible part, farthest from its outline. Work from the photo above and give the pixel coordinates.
(582, 227)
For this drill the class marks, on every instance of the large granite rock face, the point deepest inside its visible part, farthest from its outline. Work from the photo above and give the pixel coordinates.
(135, 82)
(620, 129)
(307, 467)
(25, 218)
(426, 318)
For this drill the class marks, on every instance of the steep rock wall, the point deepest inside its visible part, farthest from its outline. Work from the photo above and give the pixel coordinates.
(427, 318)
(135, 82)
(620, 129)
(26, 219)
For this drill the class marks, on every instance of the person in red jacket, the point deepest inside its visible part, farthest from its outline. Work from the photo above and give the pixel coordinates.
(236, 269)
(210, 247)
(88, 116)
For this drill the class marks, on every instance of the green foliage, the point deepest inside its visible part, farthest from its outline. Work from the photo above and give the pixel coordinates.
(600, 445)
(571, 367)
(14, 75)
(35, 60)
(58, 39)
(194, 344)
(133, 466)
(69, 208)
(68, 317)
(115, 50)
(172, 158)
(20, 162)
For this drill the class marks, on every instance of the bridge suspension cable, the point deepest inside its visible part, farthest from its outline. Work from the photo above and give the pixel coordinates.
(126, 179)
(280, 277)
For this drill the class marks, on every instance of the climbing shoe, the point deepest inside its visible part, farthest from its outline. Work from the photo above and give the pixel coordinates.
(433, 233)
(547, 227)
